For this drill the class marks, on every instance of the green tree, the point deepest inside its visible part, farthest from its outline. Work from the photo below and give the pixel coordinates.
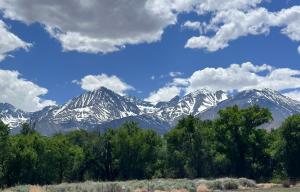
(68, 159)
(27, 129)
(135, 151)
(186, 151)
(290, 133)
(4, 151)
(240, 142)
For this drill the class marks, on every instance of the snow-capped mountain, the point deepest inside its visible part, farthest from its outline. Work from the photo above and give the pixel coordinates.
(12, 116)
(193, 103)
(103, 108)
(279, 105)
(87, 111)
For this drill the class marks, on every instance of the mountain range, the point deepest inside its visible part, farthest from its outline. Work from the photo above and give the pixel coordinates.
(101, 109)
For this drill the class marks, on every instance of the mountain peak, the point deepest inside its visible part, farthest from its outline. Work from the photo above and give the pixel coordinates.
(202, 91)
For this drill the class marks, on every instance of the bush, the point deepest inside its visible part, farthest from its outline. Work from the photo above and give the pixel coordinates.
(230, 185)
(247, 183)
(286, 184)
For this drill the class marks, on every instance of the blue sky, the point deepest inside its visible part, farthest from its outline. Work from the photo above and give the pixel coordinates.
(56, 69)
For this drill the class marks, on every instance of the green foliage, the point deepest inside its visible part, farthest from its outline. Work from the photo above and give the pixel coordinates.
(231, 145)
(240, 143)
(136, 151)
(27, 129)
(4, 151)
(186, 148)
(290, 134)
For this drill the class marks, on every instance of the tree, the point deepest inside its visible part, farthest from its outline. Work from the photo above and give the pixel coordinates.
(4, 151)
(135, 151)
(239, 140)
(68, 159)
(290, 133)
(27, 129)
(186, 152)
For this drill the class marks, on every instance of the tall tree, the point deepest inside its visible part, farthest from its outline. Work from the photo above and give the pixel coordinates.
(27, 129)
(136, 151)
(240, 139)
(4, 151)
(290, 132)
(186, 152)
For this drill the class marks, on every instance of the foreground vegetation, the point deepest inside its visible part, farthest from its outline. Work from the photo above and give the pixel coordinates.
(159, 185)
(229, 146)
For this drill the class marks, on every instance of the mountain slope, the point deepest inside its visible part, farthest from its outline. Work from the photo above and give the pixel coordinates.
(12, 116)
(87, 111)
(146, 121)
(193, 103)
(102, 109)
(279, 105)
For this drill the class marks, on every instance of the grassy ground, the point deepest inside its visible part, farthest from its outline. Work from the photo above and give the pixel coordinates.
(159, 185)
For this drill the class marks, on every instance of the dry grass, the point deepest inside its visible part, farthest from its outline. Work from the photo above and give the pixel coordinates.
(202, 188)
(36, 189)
(156, 185)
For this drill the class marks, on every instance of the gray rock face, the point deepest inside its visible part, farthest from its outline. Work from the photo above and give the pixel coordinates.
(102, 109)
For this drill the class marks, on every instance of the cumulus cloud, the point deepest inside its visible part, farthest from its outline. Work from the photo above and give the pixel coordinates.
(21, 93)
(231, 24)
(235, 77)
(9, 42)
(163, 94)
(95, 26)
(105, 26)
(114, 83)
(244, 76)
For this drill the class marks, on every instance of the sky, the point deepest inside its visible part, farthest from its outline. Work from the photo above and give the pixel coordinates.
(52, 51)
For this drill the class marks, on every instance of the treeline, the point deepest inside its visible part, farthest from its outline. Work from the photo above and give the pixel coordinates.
(232, 145)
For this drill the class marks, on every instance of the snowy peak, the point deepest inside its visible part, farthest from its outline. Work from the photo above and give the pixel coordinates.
(267, 95)
(12, 116)
(192, 103)
(279, 105)
(99, 106)
(92, 98)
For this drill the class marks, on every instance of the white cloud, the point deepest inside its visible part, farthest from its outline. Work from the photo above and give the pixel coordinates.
(175, 74)
(109, 25)
(231, 24)
(205, 6)
(235, 77)
(21, 93)
(244, 76)
(95, 26)
(105, 26)
(193, 25)
(295, 94)
(93, 82)
(299, 49)
(9, 42)
(163, 94)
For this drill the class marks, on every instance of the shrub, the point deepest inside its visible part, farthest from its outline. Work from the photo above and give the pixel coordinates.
(286, 184)
(230, 184)
(247, 183)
